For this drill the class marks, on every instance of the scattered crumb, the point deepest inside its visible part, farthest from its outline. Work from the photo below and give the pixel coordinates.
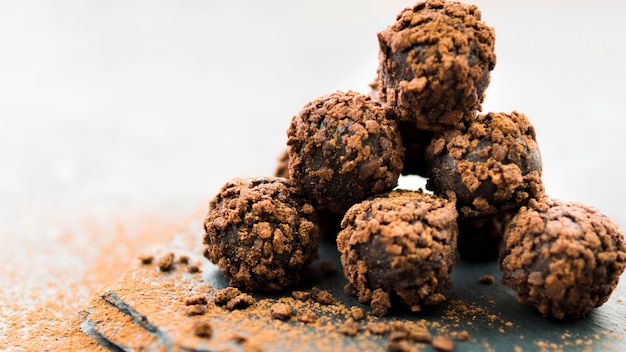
(463, 336)
(195, 309)
(307, 317)
(281, 311)
(486, 279)
(322, 296)
(357, 313)
(377, 328)
(196, 299)
(443, 343)
(381, 302)
(145, 258)
(232, 298)
(398, 341)
(421, 335)
(301, 295)
(183, 259)
(221, 297)
(242, 301)
(238, 338)
(166, 261)
(193, 268)
(202, 328)
(349, 328)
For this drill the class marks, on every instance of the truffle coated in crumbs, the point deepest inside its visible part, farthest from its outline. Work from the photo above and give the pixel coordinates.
(494, 167)
(564, 258)
(435, 64)
(399, 247)
(261, 233)
(343, 148)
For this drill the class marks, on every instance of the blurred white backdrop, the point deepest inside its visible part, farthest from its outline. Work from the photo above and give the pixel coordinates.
(123, 106)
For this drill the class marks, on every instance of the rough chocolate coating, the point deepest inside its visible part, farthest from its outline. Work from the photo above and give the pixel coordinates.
(493, 167)
(435, 63)
(261, 233)
(343, 148)
(563, 258)
(402, 246)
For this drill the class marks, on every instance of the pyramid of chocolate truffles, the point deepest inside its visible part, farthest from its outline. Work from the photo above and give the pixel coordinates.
(484, 197)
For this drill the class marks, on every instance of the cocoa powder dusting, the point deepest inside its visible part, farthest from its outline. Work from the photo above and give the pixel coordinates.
(47, 317)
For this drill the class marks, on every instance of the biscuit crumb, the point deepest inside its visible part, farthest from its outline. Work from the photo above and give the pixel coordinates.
(443, 343)
(301, 295)
(231, 298)
(350, 328)
(281, 311)
(357, 313)
(195, 309)
(145, 258)
(196, 299)
(307, 317)
(487, 279)
(377, 328)
(202, 328)
(193, 268)
(166, 262)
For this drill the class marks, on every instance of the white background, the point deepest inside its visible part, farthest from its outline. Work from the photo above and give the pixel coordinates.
(150, 106)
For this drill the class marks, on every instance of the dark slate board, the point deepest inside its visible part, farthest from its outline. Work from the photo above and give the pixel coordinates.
(490, 314)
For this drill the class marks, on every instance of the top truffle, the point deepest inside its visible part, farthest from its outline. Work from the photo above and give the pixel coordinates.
(343, 148)
(435, 63)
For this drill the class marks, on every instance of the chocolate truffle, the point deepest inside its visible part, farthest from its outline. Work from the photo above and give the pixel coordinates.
(494, 167)
(435, 63)
(344, 148)
(329, 223)
(261, 233)
(564, 258)
(401, 246)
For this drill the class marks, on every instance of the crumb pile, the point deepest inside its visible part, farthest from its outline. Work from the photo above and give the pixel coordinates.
(346, 151)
